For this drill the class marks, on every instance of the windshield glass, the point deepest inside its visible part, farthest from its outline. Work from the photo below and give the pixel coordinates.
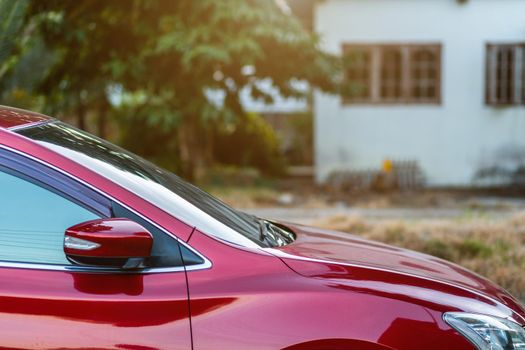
(160, 187)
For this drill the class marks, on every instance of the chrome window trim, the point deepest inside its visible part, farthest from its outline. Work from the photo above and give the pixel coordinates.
(76, 268)
(30, 125)
(84, 269)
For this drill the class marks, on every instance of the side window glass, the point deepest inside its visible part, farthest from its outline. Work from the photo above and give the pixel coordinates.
(33, 220)
(166, 251)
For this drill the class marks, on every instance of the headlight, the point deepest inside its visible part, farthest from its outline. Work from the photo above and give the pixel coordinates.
(488, 332)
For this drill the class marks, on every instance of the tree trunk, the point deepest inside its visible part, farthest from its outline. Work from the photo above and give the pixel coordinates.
(102, 121)
(81, 116)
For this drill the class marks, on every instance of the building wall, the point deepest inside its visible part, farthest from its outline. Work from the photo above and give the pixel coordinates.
(451, 141)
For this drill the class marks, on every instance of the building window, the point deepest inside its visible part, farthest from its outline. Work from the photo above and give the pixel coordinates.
(505, 84)
(424, 66)
(358, 63)
(392, 73)
(391, 77)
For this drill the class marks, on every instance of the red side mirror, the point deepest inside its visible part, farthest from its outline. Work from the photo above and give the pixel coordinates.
(108, 242)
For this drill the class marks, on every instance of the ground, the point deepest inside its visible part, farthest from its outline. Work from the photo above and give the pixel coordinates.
(482, 231)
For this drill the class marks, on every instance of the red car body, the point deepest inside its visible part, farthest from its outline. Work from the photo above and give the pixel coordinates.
(326, 290)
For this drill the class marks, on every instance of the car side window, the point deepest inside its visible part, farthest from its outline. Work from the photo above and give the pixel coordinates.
(166, 251)
(33, 220)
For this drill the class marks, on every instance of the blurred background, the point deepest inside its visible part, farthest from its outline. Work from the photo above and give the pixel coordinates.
(398, 120)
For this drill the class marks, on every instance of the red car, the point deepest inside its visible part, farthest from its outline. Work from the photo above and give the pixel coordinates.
(100, 249)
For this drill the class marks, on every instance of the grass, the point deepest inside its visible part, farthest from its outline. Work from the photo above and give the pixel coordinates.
(494, 248)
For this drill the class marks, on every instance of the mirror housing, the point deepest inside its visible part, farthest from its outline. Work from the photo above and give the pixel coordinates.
(114, 242)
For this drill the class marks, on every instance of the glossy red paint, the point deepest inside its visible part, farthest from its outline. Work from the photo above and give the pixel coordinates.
(258, 297)
(326, 290)
(340, 254)
(116, 237)
(65, 310)
(13, 117)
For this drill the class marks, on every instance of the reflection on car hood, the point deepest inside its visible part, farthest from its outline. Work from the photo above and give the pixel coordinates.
(339, 254)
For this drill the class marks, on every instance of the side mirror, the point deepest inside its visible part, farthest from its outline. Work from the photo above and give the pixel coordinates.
(108, 242)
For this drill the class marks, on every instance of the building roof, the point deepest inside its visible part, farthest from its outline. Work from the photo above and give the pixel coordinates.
(13, 117)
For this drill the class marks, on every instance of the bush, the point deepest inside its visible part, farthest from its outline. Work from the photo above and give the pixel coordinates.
(155, 144)
(247, 142)
(250, 142)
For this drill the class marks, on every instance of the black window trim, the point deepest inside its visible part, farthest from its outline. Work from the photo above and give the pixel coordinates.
(8, 159)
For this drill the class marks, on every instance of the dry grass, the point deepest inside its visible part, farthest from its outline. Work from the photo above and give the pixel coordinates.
(492, 248)
(250, 197)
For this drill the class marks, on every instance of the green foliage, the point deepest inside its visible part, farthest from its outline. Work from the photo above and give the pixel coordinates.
(11, 22)
(354, 86)
(21, 57)
(155, 144)
(251, 143)
(471, 248)
(437, 248)
(21, 80)
(158, 60)
(180, 48)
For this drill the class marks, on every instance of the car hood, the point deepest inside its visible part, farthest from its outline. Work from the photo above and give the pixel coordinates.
(336, 255)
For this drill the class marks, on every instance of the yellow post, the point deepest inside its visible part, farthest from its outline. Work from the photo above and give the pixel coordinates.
(387, 166)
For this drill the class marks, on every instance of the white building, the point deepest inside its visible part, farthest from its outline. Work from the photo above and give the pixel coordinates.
(441, 82)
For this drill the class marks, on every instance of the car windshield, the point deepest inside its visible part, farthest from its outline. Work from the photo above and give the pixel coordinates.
(158, 186)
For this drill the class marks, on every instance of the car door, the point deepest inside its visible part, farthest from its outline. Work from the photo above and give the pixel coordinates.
(46, 302)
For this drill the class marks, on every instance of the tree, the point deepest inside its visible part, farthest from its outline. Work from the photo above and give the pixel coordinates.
(11, 39)
(11, 22)
(165, 57)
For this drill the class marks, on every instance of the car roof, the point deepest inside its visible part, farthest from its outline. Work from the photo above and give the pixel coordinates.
(11, 117)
